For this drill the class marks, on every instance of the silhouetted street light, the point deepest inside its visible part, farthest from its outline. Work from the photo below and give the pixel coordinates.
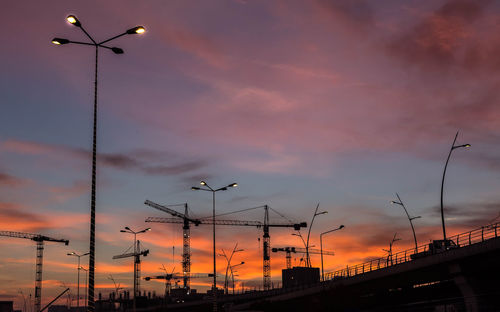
(232, 272)
(74, 254)
(321, 247)
(400, 202)
(228, 259)
(389, 256)
(136, 251)
(453, 147)
(86, 278)
(61, 41)
(209, 189)
(316, 213)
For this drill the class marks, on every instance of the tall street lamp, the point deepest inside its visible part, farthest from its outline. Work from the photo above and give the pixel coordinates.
(86, 274)
(321, 248)
(453, 147)
(136, 251)
(389, 251)
(232, 272)
(207, 188)
(298, 234)
(228, 259)
(316, 213)
(400, 202)
(60, 41)
(74, 254)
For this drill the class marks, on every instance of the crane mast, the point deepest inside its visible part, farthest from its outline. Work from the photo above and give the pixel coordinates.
(39, 239)
(186, 252)
(266, 250)
(137, 265)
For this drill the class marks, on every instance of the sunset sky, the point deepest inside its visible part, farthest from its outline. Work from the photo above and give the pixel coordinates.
(341, 103)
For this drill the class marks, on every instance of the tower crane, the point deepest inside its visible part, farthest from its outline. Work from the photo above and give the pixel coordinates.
(186, 220)
(264, 225)
(137, 264)
(289, 251)
(39, 239)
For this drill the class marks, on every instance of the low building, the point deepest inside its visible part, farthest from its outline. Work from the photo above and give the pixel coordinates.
(299, 276)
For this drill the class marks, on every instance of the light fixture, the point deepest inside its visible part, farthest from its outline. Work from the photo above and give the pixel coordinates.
(60, 41)
(136, 30)
(73, 20)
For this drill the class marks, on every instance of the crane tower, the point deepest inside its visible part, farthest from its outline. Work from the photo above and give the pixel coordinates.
(39, 239)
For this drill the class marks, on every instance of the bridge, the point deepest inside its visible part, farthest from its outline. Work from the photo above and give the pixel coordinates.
(465, 276)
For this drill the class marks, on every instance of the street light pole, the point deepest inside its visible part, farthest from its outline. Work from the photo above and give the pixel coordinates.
(400, 202)
(232, 272)
(60, 41)
(228, 259)
(78, 279)
(136, 251)
(209, 189)
(86, 274)
(453, 147)
(316, 213)
(303, 242)
(321, 248)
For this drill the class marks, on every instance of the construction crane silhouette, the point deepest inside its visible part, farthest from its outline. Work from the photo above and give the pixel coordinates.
(137, 265)
(186, 221)
(289, 251)
(39, 239)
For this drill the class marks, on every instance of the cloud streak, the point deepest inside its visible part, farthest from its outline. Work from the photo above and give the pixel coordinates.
(148, 162)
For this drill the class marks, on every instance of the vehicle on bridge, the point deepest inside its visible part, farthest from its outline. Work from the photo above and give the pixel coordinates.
(437, 246)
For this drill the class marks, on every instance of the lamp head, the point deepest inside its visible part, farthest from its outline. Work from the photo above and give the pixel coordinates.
(71, 253)
(233, 184)
(123, 231)
(136, 30)
(117, 50)
(194, 188)
(203, 183)
(341, 226)
(60, 41)
(127, 228)
(467, 145)
(73, 20)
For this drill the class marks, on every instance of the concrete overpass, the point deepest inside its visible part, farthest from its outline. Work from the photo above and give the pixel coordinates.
(465, 278)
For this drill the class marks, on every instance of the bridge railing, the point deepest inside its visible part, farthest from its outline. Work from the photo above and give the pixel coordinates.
(461, 240)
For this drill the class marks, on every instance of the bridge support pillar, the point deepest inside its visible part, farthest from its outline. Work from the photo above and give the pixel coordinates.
(465, 288)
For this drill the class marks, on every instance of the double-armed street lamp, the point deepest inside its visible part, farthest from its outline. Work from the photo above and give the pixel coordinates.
(400, 202)
(298, 234)
(316, 213)
(321, 247)
(453, 147)
(228, 267)
(232, 272)
(136, 251)
(61, 41)
(207, 188)
(74, 254)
